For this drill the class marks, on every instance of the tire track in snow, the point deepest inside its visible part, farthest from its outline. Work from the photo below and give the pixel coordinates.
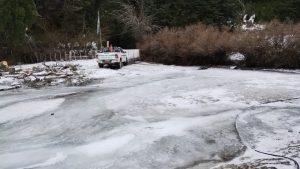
(262, 152)
(47, 97)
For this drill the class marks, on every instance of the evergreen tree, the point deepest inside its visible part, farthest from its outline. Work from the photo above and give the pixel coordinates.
(68, 16)
(184, 12)
(267, 10)
(16, 16)
(54, 21)
(288, 10)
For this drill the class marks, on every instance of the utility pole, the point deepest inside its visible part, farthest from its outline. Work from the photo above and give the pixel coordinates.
(99, 31)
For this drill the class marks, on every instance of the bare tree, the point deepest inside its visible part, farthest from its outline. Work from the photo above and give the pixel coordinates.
(132, 15)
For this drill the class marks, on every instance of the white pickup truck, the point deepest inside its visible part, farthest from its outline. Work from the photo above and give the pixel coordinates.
(117, 58)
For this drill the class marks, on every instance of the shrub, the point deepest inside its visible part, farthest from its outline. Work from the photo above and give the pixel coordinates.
(277, 46)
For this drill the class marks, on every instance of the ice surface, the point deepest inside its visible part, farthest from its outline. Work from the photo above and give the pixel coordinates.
(147, 116)
(59, 157)
(25, 110)
(105, 146)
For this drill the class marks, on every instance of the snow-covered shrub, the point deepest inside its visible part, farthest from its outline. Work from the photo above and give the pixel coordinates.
(249, 25)
(237, 57)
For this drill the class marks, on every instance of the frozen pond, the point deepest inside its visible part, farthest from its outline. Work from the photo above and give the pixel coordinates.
(153, 116)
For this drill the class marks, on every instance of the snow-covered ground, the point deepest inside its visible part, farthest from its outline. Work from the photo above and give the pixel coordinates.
(153, 116)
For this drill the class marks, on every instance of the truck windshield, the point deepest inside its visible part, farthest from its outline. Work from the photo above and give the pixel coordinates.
(115, 49)
(104, 50)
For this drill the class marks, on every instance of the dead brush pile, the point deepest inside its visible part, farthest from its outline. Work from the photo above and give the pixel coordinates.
(275, 47)
(43, 76)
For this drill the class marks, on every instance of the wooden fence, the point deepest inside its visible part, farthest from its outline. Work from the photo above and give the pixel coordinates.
(133, 54)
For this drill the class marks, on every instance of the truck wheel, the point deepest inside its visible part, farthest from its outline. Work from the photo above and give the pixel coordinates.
(100, 65)
(126, 63)
(120, 65)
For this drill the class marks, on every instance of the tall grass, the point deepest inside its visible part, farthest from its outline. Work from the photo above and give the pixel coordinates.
(277, 46)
